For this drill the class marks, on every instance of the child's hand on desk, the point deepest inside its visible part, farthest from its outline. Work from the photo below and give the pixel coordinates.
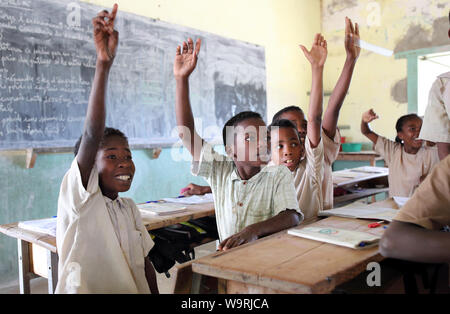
(369, 116)
(351, 37)
(105, 37)
(318, 53)
(186, 60)
(194, 189)
(245, 236)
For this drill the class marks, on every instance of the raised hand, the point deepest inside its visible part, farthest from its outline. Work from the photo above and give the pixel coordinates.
(369, 116)
(351, 37)
(105, 37)
(186, 60)
(318, 53)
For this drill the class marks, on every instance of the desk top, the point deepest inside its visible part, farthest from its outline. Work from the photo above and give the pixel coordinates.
(291, 264)
(49, 242)
(359, 174)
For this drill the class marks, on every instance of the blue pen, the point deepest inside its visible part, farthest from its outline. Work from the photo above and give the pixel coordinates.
(181, 196)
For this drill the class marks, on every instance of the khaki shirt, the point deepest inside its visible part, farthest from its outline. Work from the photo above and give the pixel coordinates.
(436, 122)
(239, 203)
(406, 171)
(429, 207)
(98, 253)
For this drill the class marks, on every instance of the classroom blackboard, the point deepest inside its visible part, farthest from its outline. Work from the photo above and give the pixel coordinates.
(47, 63)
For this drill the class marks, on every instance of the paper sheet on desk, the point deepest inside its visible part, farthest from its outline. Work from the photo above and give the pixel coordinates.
(359, 210)
(192, 200)
(160, 209)
(47, 226)
(400, 201)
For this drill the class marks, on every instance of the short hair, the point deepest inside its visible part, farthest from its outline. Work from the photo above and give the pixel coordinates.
(401, 121)
(287, 109)
(284, 123)
(244, 115)
(108, 132)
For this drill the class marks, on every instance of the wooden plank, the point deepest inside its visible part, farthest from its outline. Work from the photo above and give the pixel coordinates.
(44, 240)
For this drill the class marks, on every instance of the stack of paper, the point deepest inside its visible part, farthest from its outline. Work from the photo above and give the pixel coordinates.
(47, 226)
(160, 209)
(192, 200)
(359, 210)
(347, 238)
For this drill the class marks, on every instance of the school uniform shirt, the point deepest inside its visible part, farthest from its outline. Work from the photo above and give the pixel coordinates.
(331, 151)
(101, 243)
(308, 177)
(406, 171)
(436, 122)
(239, 203)
(429, 207)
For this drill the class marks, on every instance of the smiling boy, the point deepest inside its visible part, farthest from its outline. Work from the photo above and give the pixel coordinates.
(250, 199)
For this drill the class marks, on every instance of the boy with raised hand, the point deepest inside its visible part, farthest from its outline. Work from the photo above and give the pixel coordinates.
(330, 133)
(251, 200)
(101, 240)
(286, 143)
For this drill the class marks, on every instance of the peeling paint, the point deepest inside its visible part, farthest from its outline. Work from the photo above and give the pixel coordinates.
(399, 91)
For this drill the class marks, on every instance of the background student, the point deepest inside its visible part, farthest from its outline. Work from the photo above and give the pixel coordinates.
(416, 233)
(101, 240)
(250, 202)
(330, 133)
(409, 161)
(287, 148)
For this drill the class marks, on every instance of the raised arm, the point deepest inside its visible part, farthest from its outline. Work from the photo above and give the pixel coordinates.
(184, 64)
(331, 116)
(106, 39)
(316, 56)
(368, 117)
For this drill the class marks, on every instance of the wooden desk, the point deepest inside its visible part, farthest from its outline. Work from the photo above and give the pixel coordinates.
(360, 182)
(37, 254)
(284, 263)
(364, 155)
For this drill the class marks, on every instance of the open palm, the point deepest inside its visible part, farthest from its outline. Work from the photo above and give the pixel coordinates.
(352, 39)
(318, 53)
(186, 60)
(105, 37)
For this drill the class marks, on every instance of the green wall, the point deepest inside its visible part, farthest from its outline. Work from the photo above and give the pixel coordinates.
(33, 193)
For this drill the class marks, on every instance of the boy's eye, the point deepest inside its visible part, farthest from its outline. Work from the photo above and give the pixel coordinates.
(111, 156)
(129, 157)
(280, 146)
(294, 144)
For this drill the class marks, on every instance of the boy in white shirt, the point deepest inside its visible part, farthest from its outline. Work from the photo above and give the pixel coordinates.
(286, 146)
(101, 240)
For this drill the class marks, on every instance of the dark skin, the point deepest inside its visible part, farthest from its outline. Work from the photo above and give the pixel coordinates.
(113, 159)
(409, 133)
(248, 152)
(410, 242)
(330, 118)
(286, 147)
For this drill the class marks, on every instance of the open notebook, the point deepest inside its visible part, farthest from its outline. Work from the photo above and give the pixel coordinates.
(360, 210)
(347, 238)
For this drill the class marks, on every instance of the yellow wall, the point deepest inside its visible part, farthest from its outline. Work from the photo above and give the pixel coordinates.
(278, 25)
(403, 25)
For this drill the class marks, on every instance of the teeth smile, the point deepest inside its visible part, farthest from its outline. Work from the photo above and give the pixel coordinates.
(124, 178)
(289, 161)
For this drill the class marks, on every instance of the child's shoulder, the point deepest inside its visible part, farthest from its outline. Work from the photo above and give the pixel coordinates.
(276, 170)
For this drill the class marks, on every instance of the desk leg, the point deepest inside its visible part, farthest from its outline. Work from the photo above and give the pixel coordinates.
(52, 270)
(196, 281)
(24, 266)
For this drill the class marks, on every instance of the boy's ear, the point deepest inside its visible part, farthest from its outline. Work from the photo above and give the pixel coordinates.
(229, 151)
